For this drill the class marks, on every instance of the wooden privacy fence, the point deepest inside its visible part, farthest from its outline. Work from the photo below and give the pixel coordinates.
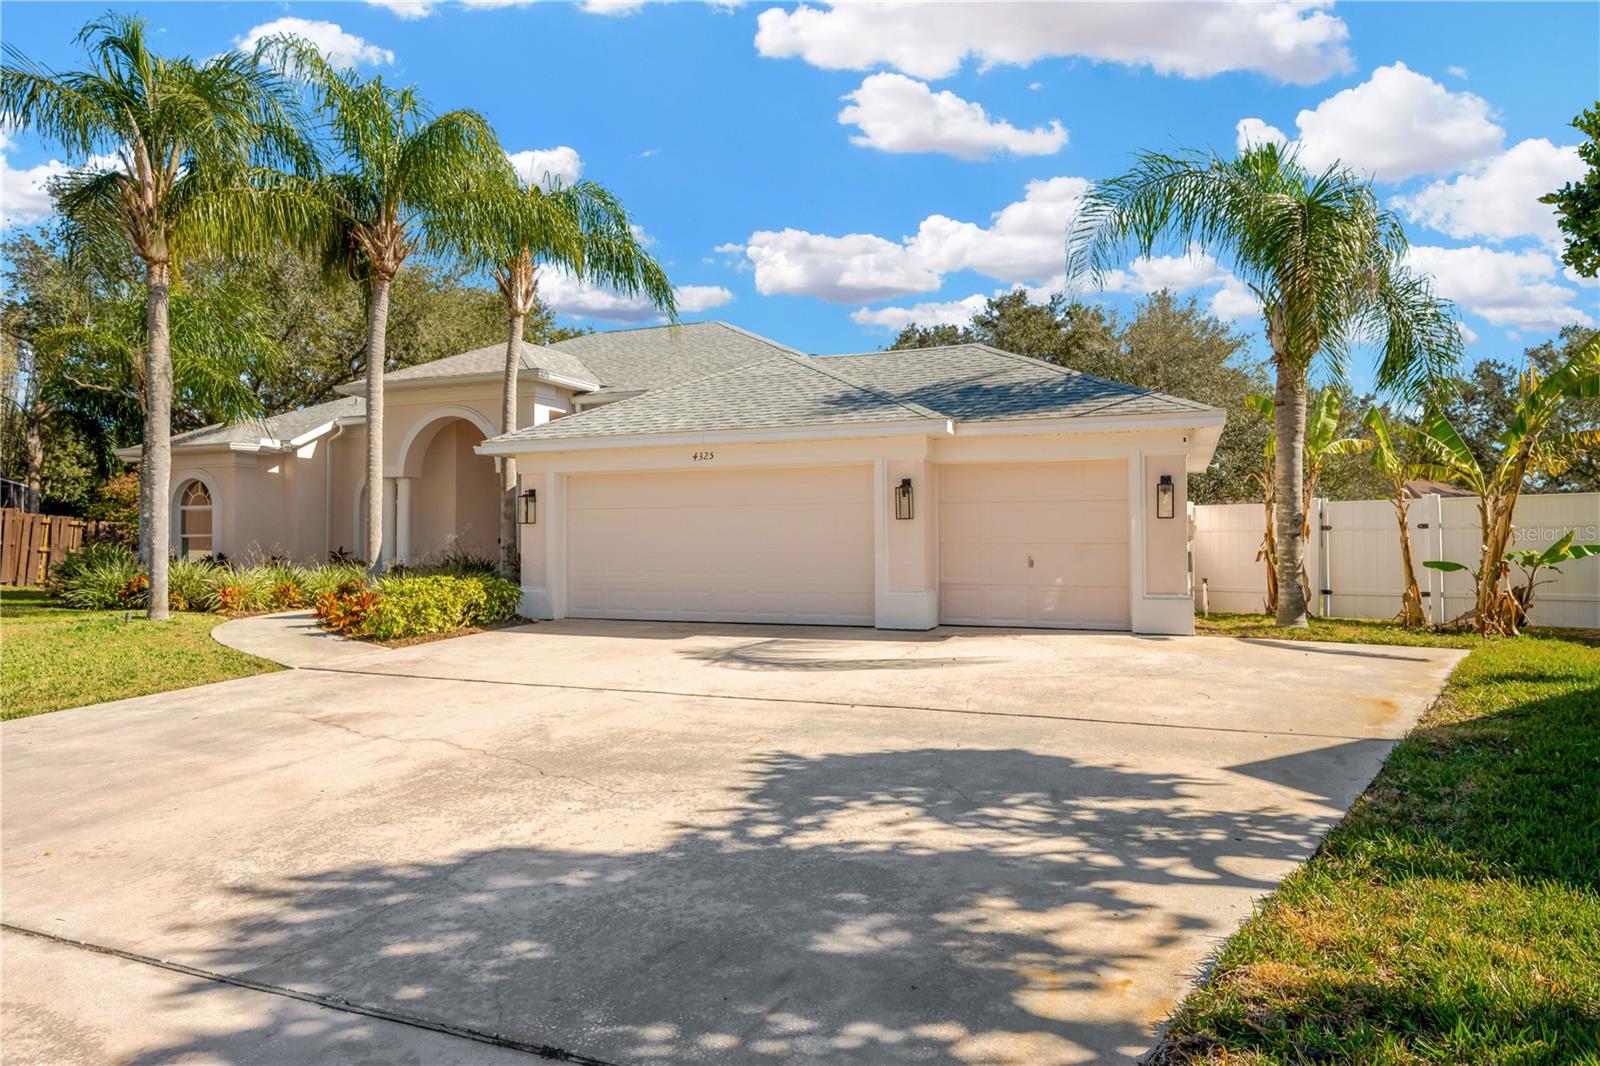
(31, 543)
(1353, 556)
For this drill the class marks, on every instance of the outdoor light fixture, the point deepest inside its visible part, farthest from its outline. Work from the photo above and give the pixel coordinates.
(902, 499)
(1164, 496)
(530, 507)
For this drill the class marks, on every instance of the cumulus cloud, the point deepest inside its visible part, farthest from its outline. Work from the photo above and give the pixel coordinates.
(1499, 198)
(1510, 289)
(847, 269)
(569, 295)
(900, 114)
(406, 9)
(611, 7)
(338, 47)
(1234, 301)
(1024, 241)
(24, 198)
(547, 166)
(1293, 42)
(1398, 124)
(1253, 131)
(894, 319)
(1176, 272)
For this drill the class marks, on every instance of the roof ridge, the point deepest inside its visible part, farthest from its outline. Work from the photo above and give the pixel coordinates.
(753, 336)
(1073, 372)
(812, 362)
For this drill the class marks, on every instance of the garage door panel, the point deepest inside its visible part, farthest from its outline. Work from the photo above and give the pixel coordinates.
(1034, 544)
(740, 546)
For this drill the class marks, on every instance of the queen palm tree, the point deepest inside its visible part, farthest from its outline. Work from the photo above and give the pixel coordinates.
(394, 169)
(177, 158)
(514, 229)
(1326, 263)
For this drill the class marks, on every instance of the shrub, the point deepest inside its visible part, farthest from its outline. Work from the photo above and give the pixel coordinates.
(192, 585)
(416, 606)
(98, 576)
(319, 579)
(287, 594)
(345, 609)
(117, 503)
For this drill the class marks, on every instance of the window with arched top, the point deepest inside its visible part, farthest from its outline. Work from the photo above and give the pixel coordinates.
(195, 521)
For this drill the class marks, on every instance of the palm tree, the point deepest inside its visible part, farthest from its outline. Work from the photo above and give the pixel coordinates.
(395, 169)
(1325, 262)
(183, 146)
(514, 229)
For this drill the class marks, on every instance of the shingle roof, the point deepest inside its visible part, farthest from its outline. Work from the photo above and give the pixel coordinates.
(491, 359)
(978, 383)
(655, 357)
(286, 426)
(783, 390)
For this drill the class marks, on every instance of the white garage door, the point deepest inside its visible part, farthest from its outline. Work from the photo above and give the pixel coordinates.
(722, 546)
(1034, 544)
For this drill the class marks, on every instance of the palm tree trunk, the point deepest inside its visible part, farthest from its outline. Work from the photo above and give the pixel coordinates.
(508, 465)
(377, 336)
(156, 472)
(1289, 430)
(33, 447)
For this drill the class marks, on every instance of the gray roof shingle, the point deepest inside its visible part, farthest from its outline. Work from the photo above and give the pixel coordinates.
(978, 383)
(491, 359)
(286, 426)
(655, 357)
(783, 390)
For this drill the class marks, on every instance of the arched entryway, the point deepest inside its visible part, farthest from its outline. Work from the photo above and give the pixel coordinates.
(446, 496)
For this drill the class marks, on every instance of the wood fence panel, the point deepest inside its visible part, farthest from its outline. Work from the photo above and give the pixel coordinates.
(31, 543)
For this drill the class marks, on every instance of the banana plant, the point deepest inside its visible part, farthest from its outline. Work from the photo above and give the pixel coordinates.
(1396, 470)
(1524, 445)
(1517, 600)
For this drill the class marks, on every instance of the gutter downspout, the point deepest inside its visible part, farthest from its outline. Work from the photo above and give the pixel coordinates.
(327, 493)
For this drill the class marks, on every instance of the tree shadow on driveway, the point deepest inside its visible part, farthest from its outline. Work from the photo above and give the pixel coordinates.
(916, 906)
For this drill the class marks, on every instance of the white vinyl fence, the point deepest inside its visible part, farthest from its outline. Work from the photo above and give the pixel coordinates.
(1354, 556)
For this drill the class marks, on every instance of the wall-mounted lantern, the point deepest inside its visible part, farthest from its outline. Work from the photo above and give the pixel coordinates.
(530, 507)
(1165, 496)
(902, 499)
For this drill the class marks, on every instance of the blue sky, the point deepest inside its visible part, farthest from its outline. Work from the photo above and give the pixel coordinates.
(823, 175)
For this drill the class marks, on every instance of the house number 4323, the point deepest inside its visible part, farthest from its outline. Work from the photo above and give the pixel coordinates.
(701, 457)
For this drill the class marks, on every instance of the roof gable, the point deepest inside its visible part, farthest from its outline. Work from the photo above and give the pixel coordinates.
(655, 357)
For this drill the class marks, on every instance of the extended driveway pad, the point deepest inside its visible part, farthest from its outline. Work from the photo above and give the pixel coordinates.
(681, 844)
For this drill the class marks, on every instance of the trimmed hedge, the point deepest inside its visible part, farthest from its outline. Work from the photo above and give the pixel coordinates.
(439, 603)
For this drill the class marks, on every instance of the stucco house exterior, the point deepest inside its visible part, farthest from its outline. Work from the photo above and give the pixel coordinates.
(701, 472)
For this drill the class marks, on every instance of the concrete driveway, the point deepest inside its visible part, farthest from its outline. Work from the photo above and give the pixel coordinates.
(642, 843)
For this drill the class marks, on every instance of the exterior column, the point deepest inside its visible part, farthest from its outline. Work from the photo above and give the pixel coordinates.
(402, 519)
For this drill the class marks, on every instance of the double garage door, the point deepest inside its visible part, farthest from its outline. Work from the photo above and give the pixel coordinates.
(1020, 544)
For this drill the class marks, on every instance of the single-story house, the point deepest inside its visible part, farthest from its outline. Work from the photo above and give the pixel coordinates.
(700, 472)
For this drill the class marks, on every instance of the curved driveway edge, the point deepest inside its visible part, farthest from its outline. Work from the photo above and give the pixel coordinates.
(293, 639)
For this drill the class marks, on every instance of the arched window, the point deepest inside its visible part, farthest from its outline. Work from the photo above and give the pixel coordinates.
(194, 521)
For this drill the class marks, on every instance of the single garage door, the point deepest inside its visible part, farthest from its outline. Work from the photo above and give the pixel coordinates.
(722, 546)
(1034, 544)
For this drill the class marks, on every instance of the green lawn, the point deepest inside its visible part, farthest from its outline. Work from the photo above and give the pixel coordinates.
(1454, 916)
(52, 657)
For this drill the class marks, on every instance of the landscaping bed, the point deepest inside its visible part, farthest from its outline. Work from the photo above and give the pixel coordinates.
(1454, 915)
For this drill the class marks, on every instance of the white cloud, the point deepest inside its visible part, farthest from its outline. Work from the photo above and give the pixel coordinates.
(1398, 124)
(1176, 272)
(546, 166)
(1294, 42)
(1510, 289)
(955, 312)
(1252, 131)
(568, 295)
(900, 114)
(1468, 334)
(611, 7)
(406, 9)
(1025, 240)
(848, 269)
(338, 47)
(1234, 301)
(1456, 72)
(23, 195)
(1499, 198)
